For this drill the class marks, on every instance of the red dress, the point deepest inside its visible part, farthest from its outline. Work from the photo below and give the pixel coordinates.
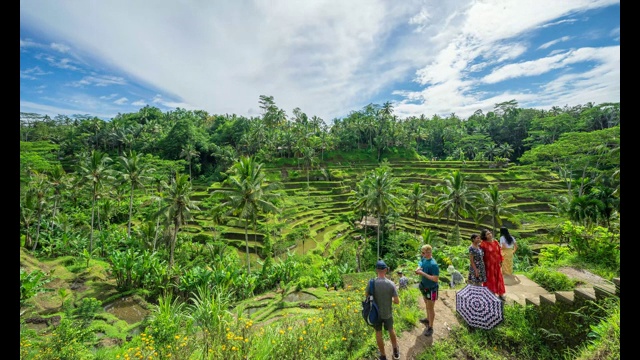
(492, 260)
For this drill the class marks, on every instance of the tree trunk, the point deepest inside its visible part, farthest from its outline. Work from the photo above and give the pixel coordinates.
(246, 243)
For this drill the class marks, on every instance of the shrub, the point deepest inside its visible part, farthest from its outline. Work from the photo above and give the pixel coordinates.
(31, 284)
(552, 255)
(552, 280)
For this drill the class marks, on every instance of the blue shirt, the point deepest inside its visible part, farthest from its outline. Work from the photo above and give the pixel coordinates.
(429, 267)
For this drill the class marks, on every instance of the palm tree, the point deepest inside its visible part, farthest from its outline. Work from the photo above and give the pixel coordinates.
(27, 212)
(59, 181)
(490, 151)
(505, 150)
(248, 193)
(95, 171)
(41, 189)
(454, 199)
(309, 158)
(177, 207)
(134, 172)
(417, 202)
(361, 204)
(493, 203)
(383, 187)
(189, 152)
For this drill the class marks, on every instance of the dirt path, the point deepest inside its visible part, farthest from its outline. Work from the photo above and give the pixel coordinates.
(518, 287)
(412, 342)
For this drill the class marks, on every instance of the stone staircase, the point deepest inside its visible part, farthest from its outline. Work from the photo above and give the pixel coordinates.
(563, 312)
(577, 297)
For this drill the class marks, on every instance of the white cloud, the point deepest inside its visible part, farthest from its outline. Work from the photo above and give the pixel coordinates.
(326, 57)
(98, 80)
(553, 42)
(60, 47)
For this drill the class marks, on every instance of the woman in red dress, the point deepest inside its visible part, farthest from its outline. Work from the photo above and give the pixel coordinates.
(492, 263)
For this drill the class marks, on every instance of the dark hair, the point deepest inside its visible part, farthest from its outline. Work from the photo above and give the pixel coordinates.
(507, 237)
(473, 236)
(483, 234)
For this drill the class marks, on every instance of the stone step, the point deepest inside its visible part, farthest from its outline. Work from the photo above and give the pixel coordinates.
(565, 297)
(616, 281)
(604, 291)
(584, 294)
(535, 301)
(547, 299)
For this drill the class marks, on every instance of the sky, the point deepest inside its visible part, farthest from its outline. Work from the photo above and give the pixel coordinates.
(326, 57)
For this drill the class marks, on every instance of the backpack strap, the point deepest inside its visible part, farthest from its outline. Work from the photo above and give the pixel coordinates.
(372, 283)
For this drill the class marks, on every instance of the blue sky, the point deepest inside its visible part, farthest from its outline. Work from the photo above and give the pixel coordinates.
(327, 58)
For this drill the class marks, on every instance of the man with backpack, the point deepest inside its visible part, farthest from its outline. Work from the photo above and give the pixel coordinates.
(384, 293)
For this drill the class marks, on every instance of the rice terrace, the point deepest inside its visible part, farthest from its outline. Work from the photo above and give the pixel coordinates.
(185, 235)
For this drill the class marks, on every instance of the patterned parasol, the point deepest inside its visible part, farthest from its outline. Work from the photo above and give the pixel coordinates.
(479, 307)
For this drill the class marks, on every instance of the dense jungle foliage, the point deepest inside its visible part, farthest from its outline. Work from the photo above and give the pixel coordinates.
(198, 215)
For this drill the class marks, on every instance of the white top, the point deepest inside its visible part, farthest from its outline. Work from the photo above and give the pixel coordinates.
(503, 242)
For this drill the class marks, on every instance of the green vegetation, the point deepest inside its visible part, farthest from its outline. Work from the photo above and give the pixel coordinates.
(221, 227)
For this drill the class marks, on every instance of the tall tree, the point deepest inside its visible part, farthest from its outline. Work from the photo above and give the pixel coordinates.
(416, 203)
(361, 204)
(247, 194)
(493, 203)
(189, 153)
(177, 207)
(134, 172)
(309, 158)
(383, 189)
(455, 199)
(59, 182)
(96, 172)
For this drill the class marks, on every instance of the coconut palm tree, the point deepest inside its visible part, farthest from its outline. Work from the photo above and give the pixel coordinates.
(361, 204)
(383, 187)
(189, 152)
(177, 207)
(454, 199)
(416, 203)
(493, 203)
(96, 172)
(59, 182)
(134, 172)
(309, 158)
(27, 213)
(247, 194)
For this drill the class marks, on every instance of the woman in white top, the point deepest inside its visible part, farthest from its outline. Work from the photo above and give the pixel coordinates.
(509, 246)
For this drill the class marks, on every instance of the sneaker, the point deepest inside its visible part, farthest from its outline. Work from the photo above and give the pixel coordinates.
(425, 321)
(396, 354)
(428, 332)
(382, 358)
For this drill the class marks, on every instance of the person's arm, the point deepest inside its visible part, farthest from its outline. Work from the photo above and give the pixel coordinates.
(424, 274)
(396, 299)
(473, 264)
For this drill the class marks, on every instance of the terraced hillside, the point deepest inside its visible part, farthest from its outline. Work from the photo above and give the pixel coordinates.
(324, 207)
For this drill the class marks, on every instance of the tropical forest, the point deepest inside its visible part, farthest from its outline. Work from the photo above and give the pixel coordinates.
(189, 235)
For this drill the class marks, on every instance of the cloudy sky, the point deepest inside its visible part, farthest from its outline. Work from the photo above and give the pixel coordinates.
(326, 57)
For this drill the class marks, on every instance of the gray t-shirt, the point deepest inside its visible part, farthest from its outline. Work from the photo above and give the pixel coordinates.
(383, 293)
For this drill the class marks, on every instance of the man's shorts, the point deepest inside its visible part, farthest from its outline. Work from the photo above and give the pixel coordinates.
(430, 294)
(388, 324)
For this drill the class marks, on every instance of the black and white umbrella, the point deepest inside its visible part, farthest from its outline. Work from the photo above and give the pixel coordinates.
(479, 307)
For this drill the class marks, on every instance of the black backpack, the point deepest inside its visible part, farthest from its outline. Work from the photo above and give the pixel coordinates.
(369, 307)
